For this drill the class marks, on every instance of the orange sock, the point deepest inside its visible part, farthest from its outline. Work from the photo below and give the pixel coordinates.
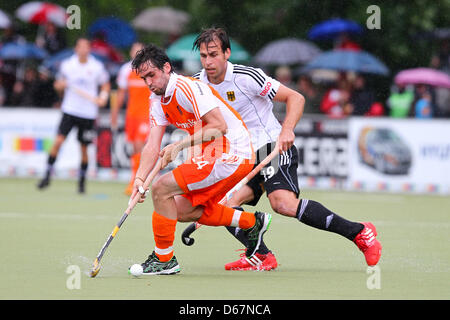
(220, 215)
(164, 234)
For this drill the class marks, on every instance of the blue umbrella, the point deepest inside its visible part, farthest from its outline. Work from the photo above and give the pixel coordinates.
(21, 51)
(52, 63)
(117, 32)
(333, 27)
(348, 60)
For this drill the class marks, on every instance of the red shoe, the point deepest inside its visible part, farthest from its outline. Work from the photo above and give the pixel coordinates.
(366, 242)
(258, 261)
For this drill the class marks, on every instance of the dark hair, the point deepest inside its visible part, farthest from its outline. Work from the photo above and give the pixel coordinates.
(83, 38)
(153, 54)
(210, 35)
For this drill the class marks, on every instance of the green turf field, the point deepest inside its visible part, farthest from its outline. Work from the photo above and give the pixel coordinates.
(46, 234)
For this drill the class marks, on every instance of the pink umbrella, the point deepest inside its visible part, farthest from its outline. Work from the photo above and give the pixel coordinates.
(427, 76)
(42, 12)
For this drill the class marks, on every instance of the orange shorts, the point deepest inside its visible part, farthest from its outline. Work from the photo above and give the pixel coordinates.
(136, 129)
(208, 181)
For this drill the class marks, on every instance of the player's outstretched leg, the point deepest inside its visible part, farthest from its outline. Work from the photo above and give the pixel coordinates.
(82, 178)
(314, 214)
(45, 182)
(367, 242)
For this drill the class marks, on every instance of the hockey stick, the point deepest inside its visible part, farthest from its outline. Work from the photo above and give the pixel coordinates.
(186, 235)
(96, 266)
(82, 93)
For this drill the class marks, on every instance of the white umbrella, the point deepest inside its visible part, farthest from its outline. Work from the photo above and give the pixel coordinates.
(161, 19)
(5, 21)
(286, 51)
(41, 12)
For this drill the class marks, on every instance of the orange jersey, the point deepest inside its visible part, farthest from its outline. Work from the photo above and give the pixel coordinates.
(187, 100)
(137, 90)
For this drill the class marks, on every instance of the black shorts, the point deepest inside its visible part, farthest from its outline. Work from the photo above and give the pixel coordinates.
(280, 173)
(86, 130)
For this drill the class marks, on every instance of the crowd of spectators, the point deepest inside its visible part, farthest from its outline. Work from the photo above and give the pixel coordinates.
(348, 94)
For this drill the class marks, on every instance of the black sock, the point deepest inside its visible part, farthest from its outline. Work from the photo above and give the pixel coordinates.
(83, 170)
(239, 234)
(314, 214)
(50, 162)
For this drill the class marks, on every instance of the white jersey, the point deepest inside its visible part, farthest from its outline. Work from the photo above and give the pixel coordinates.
(86, 76)
(250, 92)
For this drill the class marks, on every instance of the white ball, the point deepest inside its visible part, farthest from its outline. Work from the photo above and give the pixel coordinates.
(136, 270)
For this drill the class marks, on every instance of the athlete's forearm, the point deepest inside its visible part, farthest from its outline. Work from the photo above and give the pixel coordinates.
(207, 133)
(214, 128)
(294, 110)
(150, 152)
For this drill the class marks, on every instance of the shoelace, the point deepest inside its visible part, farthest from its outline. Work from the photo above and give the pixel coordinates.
(365, 238)
(243, 253)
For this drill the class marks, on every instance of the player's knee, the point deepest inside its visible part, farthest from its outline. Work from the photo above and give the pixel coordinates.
(283, 203)
(158, 190)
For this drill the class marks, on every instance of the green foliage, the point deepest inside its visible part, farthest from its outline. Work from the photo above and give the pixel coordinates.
(253, 23)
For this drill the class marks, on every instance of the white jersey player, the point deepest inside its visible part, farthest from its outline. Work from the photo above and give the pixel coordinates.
(79, 77)
(250, 91)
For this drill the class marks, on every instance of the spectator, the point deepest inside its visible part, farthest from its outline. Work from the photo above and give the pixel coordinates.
(25, 91)
(362, 97)
(312, 96)
(376, 110)
(46, 96)
(400, 101)
(284, 75)
(2, 93)
(8, 67)
(442, 102)
(441, 59)
(345, 42)
(51, 38)
(336, 101)
(101, 47)
(10, 35)
(423, 108)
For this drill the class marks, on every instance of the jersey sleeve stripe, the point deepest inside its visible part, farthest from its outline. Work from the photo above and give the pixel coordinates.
(253, 71)
(258, 81)
(190, 95)
(272, 94)
(153, 121)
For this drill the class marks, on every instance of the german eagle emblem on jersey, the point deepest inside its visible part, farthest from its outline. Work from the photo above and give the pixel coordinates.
(231, 96)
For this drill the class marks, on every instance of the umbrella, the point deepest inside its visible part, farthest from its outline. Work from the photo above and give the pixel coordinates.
(331, 28)
(53, 62)
(117, 32)
(42, 12)
(427, 76)
(161, 19)
(5, 21)
(286, 51)
(348, 60)
(182, 50)
(21, 51)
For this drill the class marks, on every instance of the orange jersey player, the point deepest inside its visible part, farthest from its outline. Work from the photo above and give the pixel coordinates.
(222, 156)
(137, 127)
